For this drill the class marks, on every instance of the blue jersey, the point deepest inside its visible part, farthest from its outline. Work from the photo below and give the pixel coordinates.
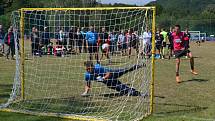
(91, 37)
(98, 71)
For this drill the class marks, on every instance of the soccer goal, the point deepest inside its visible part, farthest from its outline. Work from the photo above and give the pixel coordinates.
(203, 36)
(195, 35)
(50, 72)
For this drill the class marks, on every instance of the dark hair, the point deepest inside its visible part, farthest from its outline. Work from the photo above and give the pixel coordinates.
(88, 64)
(178, 26)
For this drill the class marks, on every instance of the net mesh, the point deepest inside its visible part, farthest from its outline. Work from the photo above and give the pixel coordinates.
(55, 49)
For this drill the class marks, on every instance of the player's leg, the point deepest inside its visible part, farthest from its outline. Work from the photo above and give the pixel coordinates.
(32, 49)
(123, 89)
(189, 54)
(129, 49)
(119, 72)
(178, 60)
(95, 51)
(7, 50)
(164, 50)
(107, 54)
(90, 50)
(12, 51)
(161, 51)
(178, 55)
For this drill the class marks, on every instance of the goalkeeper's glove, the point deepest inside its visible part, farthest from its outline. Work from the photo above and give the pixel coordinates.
(100, 79)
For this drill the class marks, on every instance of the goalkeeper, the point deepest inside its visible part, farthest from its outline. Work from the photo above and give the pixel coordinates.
(109, 77)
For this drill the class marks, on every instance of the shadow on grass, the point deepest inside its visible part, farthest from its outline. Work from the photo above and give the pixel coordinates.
(157, 96)
(179, 108)
(6, 85)
(111, 95)
(4, 95)
(195, 80)
(76, 105)
(5, 90)
(197, 57)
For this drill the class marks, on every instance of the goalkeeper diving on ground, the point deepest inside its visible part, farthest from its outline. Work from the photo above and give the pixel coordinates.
(109, 77)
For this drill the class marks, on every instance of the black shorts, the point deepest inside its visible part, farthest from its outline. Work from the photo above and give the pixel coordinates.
(170, 46)
(164, 44)
(158, 46)
(186, 44)
(92, 48)
(180, 53)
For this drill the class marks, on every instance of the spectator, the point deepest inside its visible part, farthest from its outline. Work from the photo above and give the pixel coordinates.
(35, 42)
(145, 43)
(158, 42)
(170, 38)
(104, 43)
(83, 33)
(72, 39)
(122, 45)
(129, 40)
(165, 37)
(113, 42)
(92, 41)
(9, 43)
(135, 41)
(79, 40)
(45, 40)
(1, 39)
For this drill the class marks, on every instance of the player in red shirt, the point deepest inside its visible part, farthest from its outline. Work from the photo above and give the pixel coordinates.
(180, 50)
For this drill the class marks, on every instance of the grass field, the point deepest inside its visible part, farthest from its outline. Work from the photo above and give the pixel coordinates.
(191, 100)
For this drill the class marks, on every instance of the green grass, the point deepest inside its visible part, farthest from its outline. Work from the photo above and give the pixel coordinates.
(191, 100)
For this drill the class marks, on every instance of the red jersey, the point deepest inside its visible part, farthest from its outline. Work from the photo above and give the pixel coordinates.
(178, 40)
(186, 36)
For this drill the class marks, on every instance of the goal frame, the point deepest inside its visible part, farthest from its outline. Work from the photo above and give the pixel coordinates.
(22, 58)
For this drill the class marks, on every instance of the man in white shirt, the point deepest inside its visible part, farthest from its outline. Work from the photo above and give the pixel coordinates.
(145, 42)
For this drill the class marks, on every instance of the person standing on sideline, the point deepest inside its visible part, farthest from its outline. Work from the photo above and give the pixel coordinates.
(104, 44)
(45, 40)
(9, 43)
(158, 43)
(122, 45)
(79, 40)
(145, 43)
(164, 49)
(92, 43)
(83, 33)
(35, 42)
(187, 39)
(170, 46)
(1, 39)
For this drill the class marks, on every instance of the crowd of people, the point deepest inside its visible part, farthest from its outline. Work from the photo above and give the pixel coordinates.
(85, 40)
(88, 40)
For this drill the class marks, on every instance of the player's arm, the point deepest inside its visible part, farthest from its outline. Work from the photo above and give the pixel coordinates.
(88, 78)
(107, 75)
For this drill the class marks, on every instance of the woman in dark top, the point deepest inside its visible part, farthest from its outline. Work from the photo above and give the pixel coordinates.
(79, 40)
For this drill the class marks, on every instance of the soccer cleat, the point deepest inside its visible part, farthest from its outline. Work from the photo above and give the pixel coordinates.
(194, 72)
(85, 94)
(178, 79)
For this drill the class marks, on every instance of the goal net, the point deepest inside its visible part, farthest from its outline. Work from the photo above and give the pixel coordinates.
(52, 45)
(203, 36)
(195, 35)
